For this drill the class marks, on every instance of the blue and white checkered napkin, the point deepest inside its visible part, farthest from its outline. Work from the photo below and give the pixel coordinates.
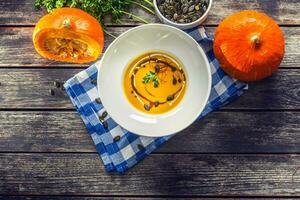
(120, 149)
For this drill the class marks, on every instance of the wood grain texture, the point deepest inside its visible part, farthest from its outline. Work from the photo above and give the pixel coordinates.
(219, 132)
(93, 198)
(90, 198)
(175, 175)
(30, 88)
(50, 153)
(17, 49)
(49, 197)
(82, 198)
(15, 12)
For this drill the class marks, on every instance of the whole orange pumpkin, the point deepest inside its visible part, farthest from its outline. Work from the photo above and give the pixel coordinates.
(69, 35)
(249, 45)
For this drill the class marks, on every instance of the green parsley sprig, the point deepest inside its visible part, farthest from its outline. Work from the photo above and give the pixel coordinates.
(151, 77)
(100, 8)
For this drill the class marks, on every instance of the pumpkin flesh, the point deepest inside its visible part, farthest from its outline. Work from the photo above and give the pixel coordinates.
(69, 35)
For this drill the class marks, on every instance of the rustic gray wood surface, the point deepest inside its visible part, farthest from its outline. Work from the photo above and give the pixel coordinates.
(159, 174)
(220, 132)
(248, 149)
(29, 88)
(18, 39)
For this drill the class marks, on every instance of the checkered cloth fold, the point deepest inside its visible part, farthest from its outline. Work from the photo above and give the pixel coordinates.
(120, 149)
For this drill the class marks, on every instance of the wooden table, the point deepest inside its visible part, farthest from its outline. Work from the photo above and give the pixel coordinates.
(249, 148)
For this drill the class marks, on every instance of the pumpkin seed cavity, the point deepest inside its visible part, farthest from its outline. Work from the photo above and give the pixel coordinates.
(64, 48)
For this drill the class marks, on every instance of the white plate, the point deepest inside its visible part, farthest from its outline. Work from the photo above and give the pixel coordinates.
(145, 38)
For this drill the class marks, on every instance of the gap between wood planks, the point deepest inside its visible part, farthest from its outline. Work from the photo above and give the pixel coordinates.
(74, 110)
(42, 109)
(162, 153)
(210, 176)
(139, 197)
(19, 39)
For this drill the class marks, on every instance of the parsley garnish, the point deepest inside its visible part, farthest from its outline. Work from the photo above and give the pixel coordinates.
(100, 8)
(151, 77)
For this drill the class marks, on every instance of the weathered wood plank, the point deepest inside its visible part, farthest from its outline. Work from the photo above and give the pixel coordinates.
(281, 91)
(124, 198)
(219, 132)
(176, 175)
(17, 49)
(30, 88)
(15, 12)
(69, 198)
(93, 198)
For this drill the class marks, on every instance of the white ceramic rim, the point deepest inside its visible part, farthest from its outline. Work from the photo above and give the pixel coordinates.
(192, 119)
(194, 23)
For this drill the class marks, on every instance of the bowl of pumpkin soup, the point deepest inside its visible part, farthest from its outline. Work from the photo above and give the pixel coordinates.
(154, 80)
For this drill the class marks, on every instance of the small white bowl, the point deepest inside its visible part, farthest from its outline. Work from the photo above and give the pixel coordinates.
(182, 26)
(147, 38)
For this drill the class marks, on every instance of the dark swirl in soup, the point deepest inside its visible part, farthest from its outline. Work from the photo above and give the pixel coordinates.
(155, 82)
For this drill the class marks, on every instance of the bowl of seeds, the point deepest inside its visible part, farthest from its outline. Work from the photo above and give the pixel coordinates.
(183, 14)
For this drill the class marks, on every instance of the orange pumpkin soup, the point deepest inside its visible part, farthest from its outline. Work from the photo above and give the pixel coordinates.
(155, 82)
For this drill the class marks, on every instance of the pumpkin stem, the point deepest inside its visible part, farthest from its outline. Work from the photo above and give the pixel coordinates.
(67, 23)
(255, 39)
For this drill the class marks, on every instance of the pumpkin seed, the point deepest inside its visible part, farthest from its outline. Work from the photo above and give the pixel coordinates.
(182, 11)
(52, 92)
(104, 114)
(181, 21)
(94, 81)
(194, 18)
(175, 16)
(170, 98)
(157, 68)
(174, 81)
(57, 84)
(117, 138)
(191, 8)
(141, 147)
(147, 107)
(98, 101)
(105, 125)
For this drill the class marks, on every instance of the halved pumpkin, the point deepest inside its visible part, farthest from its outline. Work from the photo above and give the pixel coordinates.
(69, 35)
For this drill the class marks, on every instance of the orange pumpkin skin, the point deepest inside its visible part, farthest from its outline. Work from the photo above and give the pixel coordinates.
(249, 45)
(68, 35)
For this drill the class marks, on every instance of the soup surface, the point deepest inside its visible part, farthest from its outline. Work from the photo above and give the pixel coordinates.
(155, 82)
